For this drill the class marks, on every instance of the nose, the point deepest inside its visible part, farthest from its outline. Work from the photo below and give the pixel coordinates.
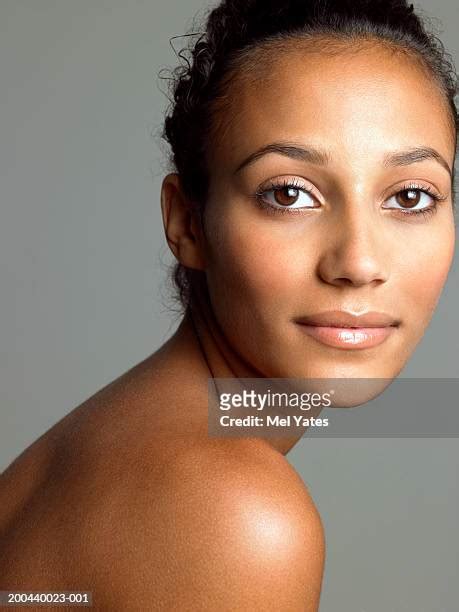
(356, 252)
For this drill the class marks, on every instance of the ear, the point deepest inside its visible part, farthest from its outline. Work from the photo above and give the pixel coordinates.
(181, 224)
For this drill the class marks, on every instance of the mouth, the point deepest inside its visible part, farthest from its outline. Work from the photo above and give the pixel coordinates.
(341, 329)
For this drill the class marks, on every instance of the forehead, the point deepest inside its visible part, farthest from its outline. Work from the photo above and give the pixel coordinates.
(353, 100)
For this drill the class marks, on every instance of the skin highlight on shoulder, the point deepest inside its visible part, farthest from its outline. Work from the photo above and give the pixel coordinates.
(231, 527)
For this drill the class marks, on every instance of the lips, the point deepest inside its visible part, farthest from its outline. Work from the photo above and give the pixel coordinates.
(341, 329)
(342, 318)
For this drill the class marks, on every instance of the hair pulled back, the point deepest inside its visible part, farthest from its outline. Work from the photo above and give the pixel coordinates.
(235, 27)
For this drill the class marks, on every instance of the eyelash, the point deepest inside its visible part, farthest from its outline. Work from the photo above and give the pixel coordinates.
(296, 184)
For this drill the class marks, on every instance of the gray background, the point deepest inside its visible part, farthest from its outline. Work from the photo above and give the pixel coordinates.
(84, 285)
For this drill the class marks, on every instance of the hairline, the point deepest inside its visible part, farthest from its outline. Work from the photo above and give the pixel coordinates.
(252, 65)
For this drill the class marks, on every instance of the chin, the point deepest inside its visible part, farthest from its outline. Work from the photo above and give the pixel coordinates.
(348, 388)
(356, 377)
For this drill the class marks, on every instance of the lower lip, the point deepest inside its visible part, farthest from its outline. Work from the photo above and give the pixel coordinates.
(348, 337)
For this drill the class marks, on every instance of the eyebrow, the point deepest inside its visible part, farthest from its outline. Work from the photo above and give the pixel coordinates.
(294, 151)
(416, 154)
(320, 157)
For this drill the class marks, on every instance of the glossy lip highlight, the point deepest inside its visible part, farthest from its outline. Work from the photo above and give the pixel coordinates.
(342, 329)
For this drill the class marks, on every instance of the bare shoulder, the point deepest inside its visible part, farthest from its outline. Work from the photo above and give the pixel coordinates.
(171, 523)
(232, 526)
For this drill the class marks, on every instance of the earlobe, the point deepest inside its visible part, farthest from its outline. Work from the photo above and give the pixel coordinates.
(181, 224)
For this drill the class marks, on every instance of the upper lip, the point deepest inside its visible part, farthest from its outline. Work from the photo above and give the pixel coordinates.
(342, 318)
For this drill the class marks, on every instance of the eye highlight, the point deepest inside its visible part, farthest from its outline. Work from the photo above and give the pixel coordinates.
(285, 196)
(414, 199)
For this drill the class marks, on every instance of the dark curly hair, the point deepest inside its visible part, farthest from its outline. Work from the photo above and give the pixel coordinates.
(234, 31)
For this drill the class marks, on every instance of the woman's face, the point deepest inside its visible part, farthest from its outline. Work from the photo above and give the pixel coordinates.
(346, 217)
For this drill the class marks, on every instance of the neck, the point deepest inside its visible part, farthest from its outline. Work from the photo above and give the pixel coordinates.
(221, 358)
(200, 337)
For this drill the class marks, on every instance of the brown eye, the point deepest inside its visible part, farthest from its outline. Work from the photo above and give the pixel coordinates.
(408, 198)
(412, 200)
(286, 196)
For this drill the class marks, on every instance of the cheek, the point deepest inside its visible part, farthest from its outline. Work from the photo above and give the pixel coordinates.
(257, 266)
(425, 274)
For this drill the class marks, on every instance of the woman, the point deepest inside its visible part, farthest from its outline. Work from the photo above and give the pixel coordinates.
(311, 214)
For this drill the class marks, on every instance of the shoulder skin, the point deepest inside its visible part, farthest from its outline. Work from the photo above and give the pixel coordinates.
(231, 526)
